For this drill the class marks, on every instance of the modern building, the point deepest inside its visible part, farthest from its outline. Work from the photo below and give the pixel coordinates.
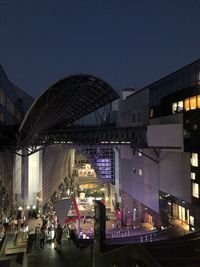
(13, 105)
(43, 169)
(159, 179)
(152, 180)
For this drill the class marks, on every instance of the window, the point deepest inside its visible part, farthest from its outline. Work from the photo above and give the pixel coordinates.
(151, 113)
(180, 106)
(194, 160)
(177, 107)
(193, 175)
(198, 101)
(191, 220)
(174, 107)
(140, 171)
(186, 104)
(193, 102)
(195, 190)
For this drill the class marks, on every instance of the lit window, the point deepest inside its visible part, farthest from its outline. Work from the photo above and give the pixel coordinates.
(174, 107)
(186, 104)
(180, 106)
(140, 171)
(198, 101)
(193, 102)
(194, 160)
(193, 175)
(195, 190)
(192, 220)
(151, 113)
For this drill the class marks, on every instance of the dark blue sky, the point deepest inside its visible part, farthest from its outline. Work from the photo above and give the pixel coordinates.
(128, 43)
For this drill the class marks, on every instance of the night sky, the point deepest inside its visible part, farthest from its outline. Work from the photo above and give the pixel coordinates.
(127, 43)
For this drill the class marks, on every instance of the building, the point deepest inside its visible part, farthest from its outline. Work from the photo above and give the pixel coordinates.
(153, 180)
(43, 169)
(13, 105)
(160, 179)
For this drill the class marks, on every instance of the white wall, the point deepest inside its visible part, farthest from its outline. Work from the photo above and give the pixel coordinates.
(174, 172)
(145, 187)
(165, 135)
(171, 175)
(33, 177)
(138, 104)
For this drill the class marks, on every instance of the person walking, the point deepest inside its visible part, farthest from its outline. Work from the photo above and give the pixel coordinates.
(58, 237)
(42, 237)
(37, 234)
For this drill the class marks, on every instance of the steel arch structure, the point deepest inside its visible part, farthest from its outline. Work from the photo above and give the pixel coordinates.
(64, 103)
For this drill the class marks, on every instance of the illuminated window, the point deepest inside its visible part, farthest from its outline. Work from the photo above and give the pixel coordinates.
(151, 113)
(194, 160)
(177, 107)
(198, 101)
(193, 175)
(181, 213)
(193, 102)
(192, 220)
(140, 171)
(186, 104)
(174, 107)
(195, 190)
(180, 106)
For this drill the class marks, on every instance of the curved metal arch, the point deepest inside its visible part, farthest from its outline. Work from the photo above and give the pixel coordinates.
(65, 102)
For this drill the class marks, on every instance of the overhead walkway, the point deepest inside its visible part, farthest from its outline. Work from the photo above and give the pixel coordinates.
(96, 136)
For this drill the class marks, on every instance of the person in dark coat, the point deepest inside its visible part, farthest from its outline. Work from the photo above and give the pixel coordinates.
(58, 237)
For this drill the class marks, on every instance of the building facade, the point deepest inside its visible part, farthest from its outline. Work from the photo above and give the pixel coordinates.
(13, 104)
(160, 181)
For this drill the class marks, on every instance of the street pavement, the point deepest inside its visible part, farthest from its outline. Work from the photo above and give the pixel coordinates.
(68, 255)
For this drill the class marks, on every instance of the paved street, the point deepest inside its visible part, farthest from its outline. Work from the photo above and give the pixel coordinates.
(69, 255)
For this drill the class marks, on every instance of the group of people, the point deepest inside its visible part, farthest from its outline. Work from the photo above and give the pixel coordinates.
(41, 236)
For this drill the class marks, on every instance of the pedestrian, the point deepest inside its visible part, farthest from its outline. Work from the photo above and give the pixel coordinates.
(37, 234)
(58, 237)
(42, 237)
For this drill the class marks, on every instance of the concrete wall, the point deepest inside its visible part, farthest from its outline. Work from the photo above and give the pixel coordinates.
(165, 135)
(171, 175)
(145, 187)
(137, 104)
